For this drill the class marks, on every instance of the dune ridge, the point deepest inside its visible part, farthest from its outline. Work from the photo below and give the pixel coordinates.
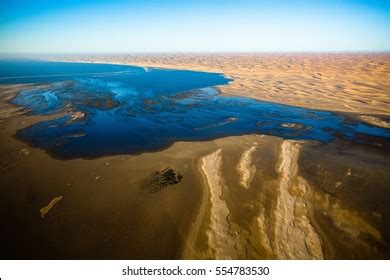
(245, 167)
(295, 236)
(222, 244)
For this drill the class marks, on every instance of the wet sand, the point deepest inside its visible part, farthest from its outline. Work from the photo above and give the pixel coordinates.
(242, 197)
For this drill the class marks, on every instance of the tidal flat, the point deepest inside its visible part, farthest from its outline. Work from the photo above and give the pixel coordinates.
(297, 183)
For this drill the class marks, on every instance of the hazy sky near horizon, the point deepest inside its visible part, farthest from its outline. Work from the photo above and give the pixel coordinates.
(39, 26)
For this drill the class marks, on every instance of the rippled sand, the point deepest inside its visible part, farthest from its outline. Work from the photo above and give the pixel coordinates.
(358, 83)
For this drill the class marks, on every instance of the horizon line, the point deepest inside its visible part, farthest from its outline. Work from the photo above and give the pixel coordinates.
(196, 52)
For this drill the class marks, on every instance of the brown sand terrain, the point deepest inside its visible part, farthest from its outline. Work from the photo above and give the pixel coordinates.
(242, 197)
(346, 82)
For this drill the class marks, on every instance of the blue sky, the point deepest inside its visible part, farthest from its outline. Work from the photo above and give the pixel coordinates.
(193, 26)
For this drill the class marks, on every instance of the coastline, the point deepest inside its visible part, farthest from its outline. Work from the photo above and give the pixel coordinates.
(315, 81)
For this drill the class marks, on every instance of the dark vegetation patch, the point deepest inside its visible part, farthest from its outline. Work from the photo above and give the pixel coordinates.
(160, 179)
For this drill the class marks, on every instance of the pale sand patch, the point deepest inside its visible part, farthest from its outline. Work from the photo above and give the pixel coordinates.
(245, 167)
(77, 115)
(295, 236)
(24, 152)
(351, 223)
(347, 220)
(376, 121)
(47, 208)
(291, 125)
